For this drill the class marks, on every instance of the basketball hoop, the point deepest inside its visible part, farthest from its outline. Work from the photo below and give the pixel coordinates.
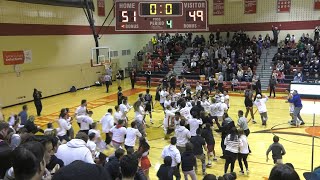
(106, 64)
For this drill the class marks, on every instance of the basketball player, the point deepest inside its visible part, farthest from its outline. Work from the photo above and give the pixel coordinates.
(262, 108)
(148, 104)
(248, 102)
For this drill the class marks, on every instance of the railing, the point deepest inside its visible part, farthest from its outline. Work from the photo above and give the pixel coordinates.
(263, 67)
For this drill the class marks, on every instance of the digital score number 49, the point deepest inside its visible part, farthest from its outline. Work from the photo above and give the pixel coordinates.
(193, 15)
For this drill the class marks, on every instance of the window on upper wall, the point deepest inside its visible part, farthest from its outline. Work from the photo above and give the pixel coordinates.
(113, 53)
(124, 52)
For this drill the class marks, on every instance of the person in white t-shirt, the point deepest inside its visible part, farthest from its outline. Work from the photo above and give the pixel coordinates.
(163, 95)
(168, 121)
(221, 109)
(291, 106)
(124, 109)
(183, 135)
(85, 122)
(101, 145)
(243, 151)
(167, 101)
(205, 104)
(118, 133)
(91, 144)
(262, 108)
(81, 110)
(131, 136)
(214, 109)
(198, 87)
(117, 115)
(64, 126)
(226, 98)
(107, 122)
(194, 123)
(185, 111)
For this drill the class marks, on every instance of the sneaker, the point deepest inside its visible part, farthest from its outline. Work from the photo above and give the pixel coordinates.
(254, 122)
(264, 123)
(302, 123)
(241, 172)
(151, 121)
(215, 158)
(209, 165)
(247, 171)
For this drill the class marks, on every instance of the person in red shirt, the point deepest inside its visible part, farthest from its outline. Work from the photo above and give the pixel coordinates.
(157, 64)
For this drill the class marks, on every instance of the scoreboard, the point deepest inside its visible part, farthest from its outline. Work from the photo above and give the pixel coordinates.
(161, 15)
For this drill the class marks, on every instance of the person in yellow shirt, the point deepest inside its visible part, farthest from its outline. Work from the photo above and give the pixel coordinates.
(154, 42)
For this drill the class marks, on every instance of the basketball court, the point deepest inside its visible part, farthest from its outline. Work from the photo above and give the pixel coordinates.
(296, 141)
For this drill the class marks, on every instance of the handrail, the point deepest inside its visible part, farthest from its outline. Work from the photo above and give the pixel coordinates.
(263, 67)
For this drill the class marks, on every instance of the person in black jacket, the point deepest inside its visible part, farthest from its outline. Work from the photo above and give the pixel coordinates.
(225, 128)
(164, 172)
(133, 76)
(54, 160)
(113, 165)
(209, 138)
(188, 161)
(258, 88)
(5, 150)
(120, 95)
(31, 127)
(37, 101)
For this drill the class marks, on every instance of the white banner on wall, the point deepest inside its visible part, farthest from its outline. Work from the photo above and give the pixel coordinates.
(27, 56)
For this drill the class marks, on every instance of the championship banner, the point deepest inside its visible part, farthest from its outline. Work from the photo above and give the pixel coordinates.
(317, 4)
(218, 7)
(250, 6)
(283, 6)
(16, 57)
(101, 8)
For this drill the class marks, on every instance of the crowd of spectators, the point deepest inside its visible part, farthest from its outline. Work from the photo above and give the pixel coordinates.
(298, 57)
(235, 57)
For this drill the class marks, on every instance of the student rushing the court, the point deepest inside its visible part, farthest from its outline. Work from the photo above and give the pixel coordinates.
(277, 151)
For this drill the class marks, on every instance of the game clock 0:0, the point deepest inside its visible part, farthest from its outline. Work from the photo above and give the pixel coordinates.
(160, 9)
(161, 15)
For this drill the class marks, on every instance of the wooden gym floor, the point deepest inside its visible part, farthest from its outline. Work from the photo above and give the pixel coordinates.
(297, 141)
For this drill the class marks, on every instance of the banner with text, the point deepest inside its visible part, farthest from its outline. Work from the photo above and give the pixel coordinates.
(16, 57)
(283, 6)
(218, 7)
(317, 4)
(250, 6)
(101, 8)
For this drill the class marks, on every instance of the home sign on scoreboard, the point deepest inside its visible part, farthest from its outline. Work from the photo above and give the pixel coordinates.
(161, 15)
